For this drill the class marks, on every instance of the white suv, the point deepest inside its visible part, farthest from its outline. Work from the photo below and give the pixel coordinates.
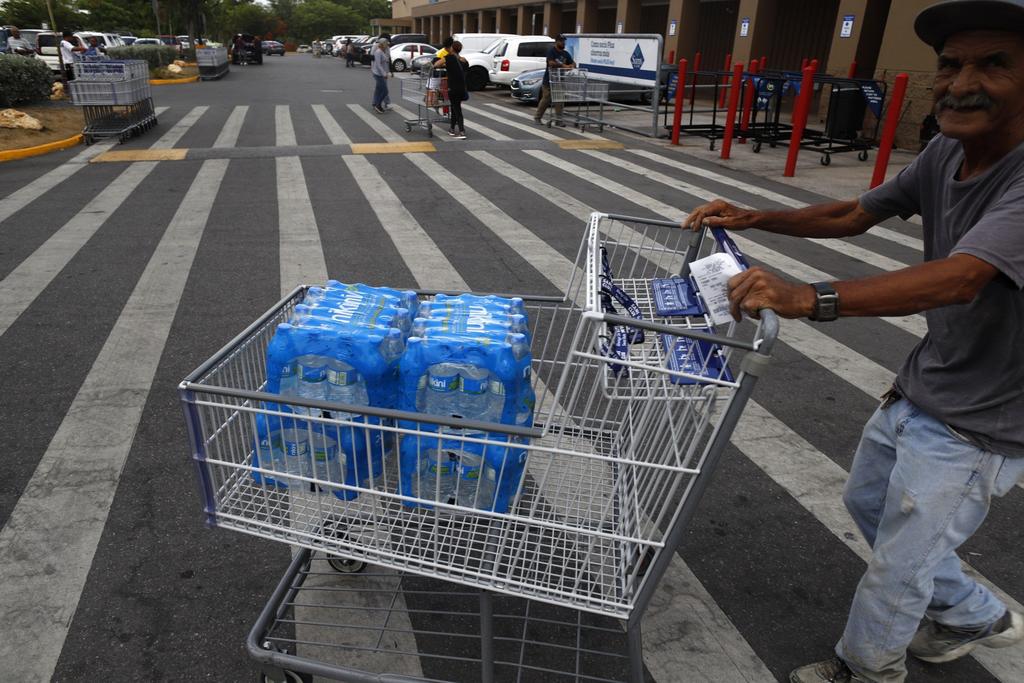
(479, 64)
(519, 54)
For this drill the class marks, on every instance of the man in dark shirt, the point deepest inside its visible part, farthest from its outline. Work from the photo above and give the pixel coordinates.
(949, 435)
(558, 58)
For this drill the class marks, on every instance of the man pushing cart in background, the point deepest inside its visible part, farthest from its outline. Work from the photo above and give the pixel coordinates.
(949, 434)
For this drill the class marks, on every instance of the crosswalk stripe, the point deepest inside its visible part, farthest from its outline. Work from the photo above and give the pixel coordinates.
(302, 255)
(838, 245)
(914, 324)
(726, 654)
(284, 131)
(23, 284)
(817, 482)
(374, 122)
(425, 260)
(20, 198)
(160, 110)
(880, 231)
(440, 131)
(569, 128)
(532, 128)
(175, 133)
(59, 517)
(334, 131)
(228, 136)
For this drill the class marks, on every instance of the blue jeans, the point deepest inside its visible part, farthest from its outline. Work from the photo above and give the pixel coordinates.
(380, 90)
(917, 491)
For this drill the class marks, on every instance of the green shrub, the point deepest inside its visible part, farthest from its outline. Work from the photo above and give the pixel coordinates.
(156, 55)
(23, 79)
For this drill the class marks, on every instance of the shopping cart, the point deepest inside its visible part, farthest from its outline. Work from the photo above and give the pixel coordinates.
(429, 92)
(632, 416)
(573, 86)
(115, 96)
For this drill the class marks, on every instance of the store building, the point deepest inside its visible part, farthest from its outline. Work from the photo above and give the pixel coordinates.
(876, 35)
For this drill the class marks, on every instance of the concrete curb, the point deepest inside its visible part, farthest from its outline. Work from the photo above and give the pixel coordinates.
(26, 152)
(173, 81)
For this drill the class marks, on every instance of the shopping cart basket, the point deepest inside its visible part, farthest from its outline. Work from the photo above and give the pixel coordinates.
(574, 86)
(633, 413)
(429, 92)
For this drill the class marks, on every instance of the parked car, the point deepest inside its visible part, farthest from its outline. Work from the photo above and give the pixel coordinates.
(303, 48)
(147, 41)
(128, 39)
(421, 63)
(526, 86)
(519, 54)
(183, 42)
(249, 41)
(272, 47)
(477, 42)
(5, 33)
(104, 40)
(48, 48)
(479, 64)
(30, 34)
(403, 55)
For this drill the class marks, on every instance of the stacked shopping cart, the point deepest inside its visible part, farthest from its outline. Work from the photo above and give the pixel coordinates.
(634, 408)
(429, 92)
(212, 62)
(115, 97)
(574, 86)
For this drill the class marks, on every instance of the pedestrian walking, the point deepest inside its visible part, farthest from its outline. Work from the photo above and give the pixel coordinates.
(557, 58)
(350, 53)
(457, 92)
(949, 435)
(446, 47)
(380, 68)
(67, 54)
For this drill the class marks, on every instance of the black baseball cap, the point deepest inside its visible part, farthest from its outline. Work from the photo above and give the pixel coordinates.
(935, 24)
(560, 37)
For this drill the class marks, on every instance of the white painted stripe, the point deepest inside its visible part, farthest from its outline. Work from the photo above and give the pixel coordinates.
(817, 483)
(569, 128)
(373, 121)
(473, 128)
(425, 260)
(21, 197)
(914, 324)
(302, 255)
(531, 128)
(840, 246)
(160, 110)
(331, 126)
(169, 139)
(232, 127)
(59, 517)
(284, 131)
(440, 130)
(878, 230)
(23, 284)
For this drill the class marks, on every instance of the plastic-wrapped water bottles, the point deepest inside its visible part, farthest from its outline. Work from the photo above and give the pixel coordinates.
(476, 482)
(436, 477)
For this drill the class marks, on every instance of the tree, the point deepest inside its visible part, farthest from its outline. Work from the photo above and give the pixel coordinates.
(32, 13)
(248, 18)
(318, 18)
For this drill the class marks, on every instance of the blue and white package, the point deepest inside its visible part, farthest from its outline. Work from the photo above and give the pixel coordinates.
(674, 296)
(695, 357)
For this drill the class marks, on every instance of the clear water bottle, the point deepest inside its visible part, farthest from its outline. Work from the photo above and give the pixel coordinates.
(345, 385)
(311, 381)
(295, 445)
(393, 345)
(327, 465)
(476, 482)
(440, 395)
(474, 395)
(436, 476)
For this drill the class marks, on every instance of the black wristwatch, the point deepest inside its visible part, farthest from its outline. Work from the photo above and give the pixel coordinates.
(826, 302)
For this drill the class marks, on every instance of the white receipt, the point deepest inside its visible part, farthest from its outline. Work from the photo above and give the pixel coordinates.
(712, 276)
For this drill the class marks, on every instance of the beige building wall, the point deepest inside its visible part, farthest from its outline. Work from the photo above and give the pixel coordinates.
(903, 52)
(402, 9)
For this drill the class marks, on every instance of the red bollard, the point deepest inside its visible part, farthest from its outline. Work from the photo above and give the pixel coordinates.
(814, 65)
(693, 87)
(725, 81)
(800, 112)
(763, 66)
(892, 119)
(852, 71)
(672, 57)
(677, 117)
(748, 101)
(803, 64)
(734, 103)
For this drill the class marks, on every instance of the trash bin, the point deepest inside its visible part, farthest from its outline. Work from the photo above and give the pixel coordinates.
(846, 111)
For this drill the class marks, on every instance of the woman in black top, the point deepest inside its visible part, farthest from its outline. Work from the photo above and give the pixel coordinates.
(456, 88)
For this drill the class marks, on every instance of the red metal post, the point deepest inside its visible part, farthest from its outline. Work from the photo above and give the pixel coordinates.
(814, 65)
(748, 101)
(671, 56)
(803, 64)
(734, 103)
(764, 64)
(852, 72)
(892, 119)
(677, 117)
(800, 112)
(693, 86)
(725, 81)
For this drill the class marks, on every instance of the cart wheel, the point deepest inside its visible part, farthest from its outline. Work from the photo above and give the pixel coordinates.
(772, 145)
(756, 147)
(408, 128)
(600, 128)
(289, 677)
(826, 159)
(343, 566)
(863, 156)
(712, 146)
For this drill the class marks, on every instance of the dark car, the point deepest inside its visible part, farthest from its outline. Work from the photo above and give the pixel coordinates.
(251, 44)
(526, 86)
(272, 47)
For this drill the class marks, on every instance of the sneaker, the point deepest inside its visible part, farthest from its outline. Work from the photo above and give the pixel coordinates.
(378, 109)
(537, 120)
(829, 671)
(460, 136)
(452, 133)
(936, 643)
(560, 123)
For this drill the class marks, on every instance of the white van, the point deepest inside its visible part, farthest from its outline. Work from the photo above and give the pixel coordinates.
(476, 42)
(479, 64)
(519, 54)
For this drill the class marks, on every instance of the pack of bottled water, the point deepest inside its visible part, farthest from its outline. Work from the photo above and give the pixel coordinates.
(468, 357)
(342, 344)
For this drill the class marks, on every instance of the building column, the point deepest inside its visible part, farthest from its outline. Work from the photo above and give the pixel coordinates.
(865, 39)
(523, 20)
(434, 19)
(552, 22)
(628, 15)
(686, 14)
(586, 16)
(503, 20)
(483, 22)
(760, 15)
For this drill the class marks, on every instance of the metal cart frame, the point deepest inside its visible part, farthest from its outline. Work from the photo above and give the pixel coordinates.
(429, 93)
(622, 449)
(574, 86)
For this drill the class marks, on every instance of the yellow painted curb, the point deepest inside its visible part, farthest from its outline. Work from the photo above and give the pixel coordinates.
(140, 155)
(173, 81)
(392, 147)
(590, 144)
(26, 152)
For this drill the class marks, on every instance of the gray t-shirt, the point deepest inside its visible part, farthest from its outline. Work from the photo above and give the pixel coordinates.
(968, 371)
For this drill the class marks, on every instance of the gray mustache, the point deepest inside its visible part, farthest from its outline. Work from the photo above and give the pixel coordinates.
(978, 100)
